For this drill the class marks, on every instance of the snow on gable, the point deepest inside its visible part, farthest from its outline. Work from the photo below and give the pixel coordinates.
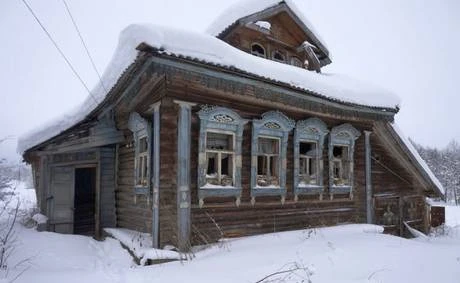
(418, 158)
(246, 8)
(208, 49)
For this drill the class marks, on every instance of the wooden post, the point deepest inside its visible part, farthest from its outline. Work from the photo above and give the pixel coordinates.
(183, 174)
(155, 157)
(369, 208)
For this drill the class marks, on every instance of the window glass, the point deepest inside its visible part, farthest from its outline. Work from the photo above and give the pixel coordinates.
(258, 50)
(341, 165)
(308, 163)
(268, 162)
(277, 56)
(219, 158)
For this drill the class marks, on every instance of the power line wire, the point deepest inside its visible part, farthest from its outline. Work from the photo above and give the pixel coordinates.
(84, 45)
(59, 49)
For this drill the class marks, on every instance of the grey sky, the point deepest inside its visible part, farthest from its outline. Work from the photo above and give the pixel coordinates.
(409, 47)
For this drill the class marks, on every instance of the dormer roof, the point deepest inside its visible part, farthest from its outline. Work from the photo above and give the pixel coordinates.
(251, 11)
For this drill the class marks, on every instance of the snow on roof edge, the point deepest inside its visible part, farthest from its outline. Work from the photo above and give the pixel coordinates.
(211, 50)
(246, 8)
(418, 158)
(121, 59)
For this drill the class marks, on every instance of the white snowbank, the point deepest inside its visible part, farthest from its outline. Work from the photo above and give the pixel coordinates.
(419, 159)
(141, 245)
(40, 218)
(209, 49)
(246, 8)
(335, 254)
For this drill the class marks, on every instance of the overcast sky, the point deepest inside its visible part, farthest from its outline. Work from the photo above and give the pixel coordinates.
(409, 47)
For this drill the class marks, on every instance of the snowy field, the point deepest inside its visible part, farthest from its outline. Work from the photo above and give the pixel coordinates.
(350, 253)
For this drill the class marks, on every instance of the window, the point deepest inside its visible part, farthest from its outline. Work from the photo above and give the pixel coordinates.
(258, 50)
(278, 56)
(219, 160)
(295, 61)
(268, 162)
(268, 155)
(341, 149)
(308, 157)
(142, 162)
(141, 140)
(341, 166)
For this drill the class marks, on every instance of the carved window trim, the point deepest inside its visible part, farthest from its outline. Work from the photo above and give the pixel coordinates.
(314, 131)
(343, 135)
(217, 119)
(141, 130)
(256, 44)
(274, 125)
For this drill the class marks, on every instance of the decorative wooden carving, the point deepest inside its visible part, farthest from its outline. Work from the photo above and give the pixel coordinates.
(313, 131)
(220, 119)
(140, 128)
(342, 136)
(273, 124)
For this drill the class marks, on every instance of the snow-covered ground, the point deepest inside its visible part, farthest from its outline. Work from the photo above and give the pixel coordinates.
(349, 253)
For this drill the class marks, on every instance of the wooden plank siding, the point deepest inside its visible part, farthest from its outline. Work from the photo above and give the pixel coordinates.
(168, 172)
(135, 216)
(219, 216)
(107, 187)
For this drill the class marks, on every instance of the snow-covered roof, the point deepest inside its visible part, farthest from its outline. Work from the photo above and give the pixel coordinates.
(246, 8)
(209, 49)
(418, 158)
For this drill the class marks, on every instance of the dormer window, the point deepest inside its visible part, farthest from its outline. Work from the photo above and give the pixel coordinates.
(278, 56)
(258, 50)
(295, 61)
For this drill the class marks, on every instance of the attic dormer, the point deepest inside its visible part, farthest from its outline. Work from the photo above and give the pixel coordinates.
(274, 30)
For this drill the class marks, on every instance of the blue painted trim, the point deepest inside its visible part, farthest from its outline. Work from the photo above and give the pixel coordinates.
(183, 175)
(219, 192)
(220, 119)
(310, 130)
(273, 124)
(340, 189)
(156, 176)
(342, 135)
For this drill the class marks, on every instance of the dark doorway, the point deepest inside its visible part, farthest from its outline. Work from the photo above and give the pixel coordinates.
(84, 201)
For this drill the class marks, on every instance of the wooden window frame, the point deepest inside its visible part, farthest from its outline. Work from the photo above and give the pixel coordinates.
(219, 153)
(222, 120)
(313, 131)
(258, 54)
(268, 166)
(281, 54)
(343, 135)
(273, 124)
(140, 128)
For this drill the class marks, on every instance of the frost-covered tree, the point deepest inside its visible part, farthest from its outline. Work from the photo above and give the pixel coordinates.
(445, 164)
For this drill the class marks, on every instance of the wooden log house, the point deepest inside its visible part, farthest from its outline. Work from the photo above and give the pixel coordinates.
(192, 149)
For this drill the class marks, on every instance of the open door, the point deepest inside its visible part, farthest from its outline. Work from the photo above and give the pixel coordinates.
(85, 201)
(62, 182)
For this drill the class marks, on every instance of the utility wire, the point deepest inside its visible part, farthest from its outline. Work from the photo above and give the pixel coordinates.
(59, 49)
(84, 45)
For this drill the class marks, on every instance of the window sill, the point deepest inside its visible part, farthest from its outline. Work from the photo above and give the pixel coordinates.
(340, 189)
(218, 191)
(268, 191)
(309, 189)
(138, 190)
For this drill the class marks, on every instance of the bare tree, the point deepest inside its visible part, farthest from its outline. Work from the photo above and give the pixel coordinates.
(9, 212)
